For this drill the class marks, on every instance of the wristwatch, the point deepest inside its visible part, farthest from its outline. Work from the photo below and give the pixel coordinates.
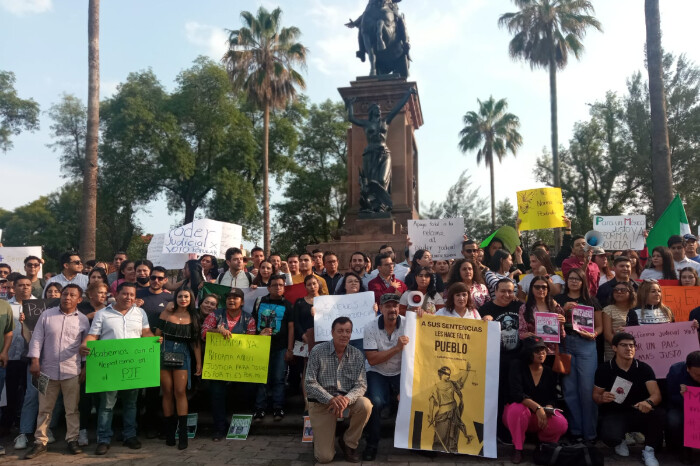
(651, 403)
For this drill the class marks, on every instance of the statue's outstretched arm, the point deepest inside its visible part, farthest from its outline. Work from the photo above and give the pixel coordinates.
(351, 113)
(399, 106)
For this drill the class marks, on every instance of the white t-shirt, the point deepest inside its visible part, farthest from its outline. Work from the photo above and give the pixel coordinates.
(377, 339)
(686, 263)
(429, 304)
(470, 314)
(651, 274)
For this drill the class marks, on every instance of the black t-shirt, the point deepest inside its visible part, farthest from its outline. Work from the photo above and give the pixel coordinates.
(509, 319)
(153, 304)
(303, 320)
(522, 385)
(694, 314)
(274, 313)
(639, 374)
(86, 308)
(563, 298)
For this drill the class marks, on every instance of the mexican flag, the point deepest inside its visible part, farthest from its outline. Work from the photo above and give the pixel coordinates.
(672, 222)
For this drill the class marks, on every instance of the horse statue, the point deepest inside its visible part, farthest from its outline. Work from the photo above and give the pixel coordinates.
(382, 37)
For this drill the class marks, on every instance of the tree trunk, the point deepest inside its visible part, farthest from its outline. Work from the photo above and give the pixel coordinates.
(555, 134)
(661, 181)
(493, 199)
(189, 212)
(266, 174)
(88, 226)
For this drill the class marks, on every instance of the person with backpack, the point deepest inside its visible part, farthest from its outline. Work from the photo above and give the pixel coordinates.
(236, 276)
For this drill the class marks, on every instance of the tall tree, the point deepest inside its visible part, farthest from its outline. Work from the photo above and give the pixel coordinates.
(260, 61)
(69, 132)
(662, 183)
(16, 114)
(88, 224)
(491, 130)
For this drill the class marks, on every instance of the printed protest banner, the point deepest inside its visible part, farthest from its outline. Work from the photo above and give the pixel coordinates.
(621, 232)
(547, 326)
(33, 309)
(169, 261)
(681, 300)
(447, 369)
(691, 416)
(241, 358)
(240, 426)
(662, 345)
(442, 237)
(540, 208)
(14, 256)
(203, 236)
(582, 318)
(122, 364)
(359, 307)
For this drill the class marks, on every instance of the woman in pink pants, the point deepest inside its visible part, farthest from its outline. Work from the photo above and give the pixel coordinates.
(532, 396)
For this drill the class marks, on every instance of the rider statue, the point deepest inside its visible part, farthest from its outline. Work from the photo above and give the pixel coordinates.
(382, 37)
(375, 175)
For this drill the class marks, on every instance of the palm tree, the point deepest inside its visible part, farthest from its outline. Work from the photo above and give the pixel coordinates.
(497, 130)
(88, 227)
(545, 32)
(662, 184)
(260, 61)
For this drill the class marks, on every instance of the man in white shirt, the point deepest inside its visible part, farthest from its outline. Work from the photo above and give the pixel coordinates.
(676, 244)
(71, 273)
(236, 276)
(118, 321)
(383, 344)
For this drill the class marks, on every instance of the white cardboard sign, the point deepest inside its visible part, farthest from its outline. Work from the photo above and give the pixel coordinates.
(203, 236)
(359, 307)
(442, 237)
(621, 232)
(14, 256)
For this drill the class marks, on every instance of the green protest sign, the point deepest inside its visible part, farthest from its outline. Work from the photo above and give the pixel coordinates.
(122, 364)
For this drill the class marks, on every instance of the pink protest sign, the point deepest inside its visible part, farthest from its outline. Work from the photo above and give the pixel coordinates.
(691, 408)
(547, 326)
(662, 345)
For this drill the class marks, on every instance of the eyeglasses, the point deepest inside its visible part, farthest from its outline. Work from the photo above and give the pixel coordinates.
(160, 279)
(76, 262)
(33, 264)
(621, 290)
(626, 345)
(540, 287)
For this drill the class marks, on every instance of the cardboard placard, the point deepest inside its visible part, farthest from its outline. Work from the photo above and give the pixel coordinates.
(14, 256)
(241, 358)
(621, 232)
(442, 237)
(122, 364)
(681, 300)
(540, 208)
(359, 307)
(662, 345)
(203, 236)
(583, 318)
(691, 408)
(33, 308)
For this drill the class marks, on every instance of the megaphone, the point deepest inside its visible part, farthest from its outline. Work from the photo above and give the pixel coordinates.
(415, 298)
(594, 238)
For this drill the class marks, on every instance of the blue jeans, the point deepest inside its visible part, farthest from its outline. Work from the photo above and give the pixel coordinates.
(379, 390)
(30, 409)
(578, 386)
(275, 381)
(105, 413)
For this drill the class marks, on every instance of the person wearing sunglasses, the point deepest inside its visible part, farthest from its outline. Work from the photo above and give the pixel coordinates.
(32, 267)
(72, 268)
(539, 299)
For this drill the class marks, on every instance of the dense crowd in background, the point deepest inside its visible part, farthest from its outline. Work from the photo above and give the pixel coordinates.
(354, 378)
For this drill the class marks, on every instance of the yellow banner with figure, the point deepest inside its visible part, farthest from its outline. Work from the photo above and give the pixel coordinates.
(448, 368)
(540, 208)
(241, 358)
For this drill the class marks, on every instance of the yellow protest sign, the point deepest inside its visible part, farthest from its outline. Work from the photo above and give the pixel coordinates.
(540, 208)
(241, 358)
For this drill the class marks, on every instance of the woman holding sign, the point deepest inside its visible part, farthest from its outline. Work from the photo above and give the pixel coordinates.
(179, 328)
(540, 300)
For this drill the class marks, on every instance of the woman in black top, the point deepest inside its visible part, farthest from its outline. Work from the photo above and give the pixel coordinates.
(179, 328)
(262, 279)
(533, 392)
(423, 258)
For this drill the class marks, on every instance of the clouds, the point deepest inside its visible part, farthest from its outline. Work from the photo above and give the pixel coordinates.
(212, 39)
(26, 7)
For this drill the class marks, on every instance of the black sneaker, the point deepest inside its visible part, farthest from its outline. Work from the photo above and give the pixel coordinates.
(102, 448)
(36, 450)
(132, 443)
(74, 448)
(278, 414)
(259, 415)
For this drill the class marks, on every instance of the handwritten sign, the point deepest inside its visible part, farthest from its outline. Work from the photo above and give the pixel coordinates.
(14, 256)
(547, 326)
(582, 318)
(203, 236)
(122, 364)
(442, 237)
(359, 307)
(662, 345)
(169, 261)
(241, 358)
(33, 309)
(621, 231)
(681, 300)
(540, 208)
(691, 408)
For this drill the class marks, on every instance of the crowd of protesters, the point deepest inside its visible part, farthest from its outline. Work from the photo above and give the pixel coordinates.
(346, 377)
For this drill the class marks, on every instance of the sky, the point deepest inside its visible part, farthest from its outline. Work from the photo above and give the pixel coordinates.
(459, 55)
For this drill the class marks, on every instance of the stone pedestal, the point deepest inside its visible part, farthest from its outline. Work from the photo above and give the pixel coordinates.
(367, 232)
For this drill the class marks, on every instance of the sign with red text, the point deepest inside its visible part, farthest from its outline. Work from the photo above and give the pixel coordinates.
(681, 300)
(662, 345)
(691, 408)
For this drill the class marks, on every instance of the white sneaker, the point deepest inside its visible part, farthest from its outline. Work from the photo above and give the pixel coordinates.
(648, 456)
(20, 442)
(622, 449)
(49, 434)
(83, 438)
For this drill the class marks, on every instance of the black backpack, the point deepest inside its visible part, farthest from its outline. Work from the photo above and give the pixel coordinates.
(554, 454)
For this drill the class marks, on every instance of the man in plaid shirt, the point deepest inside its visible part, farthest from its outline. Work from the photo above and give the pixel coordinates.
(335, 385)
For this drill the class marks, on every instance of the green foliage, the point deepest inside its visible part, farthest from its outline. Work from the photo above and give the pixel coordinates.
(69, 130)
(316, 187)
(16, 114)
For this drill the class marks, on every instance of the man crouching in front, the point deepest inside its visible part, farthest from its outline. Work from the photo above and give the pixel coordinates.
(335, 385)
